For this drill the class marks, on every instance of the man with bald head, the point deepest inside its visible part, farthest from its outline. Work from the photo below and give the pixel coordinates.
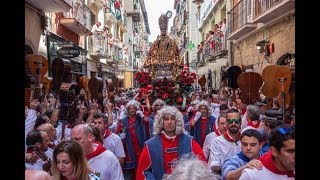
(51, 131)
(36, 174)
(103, 162)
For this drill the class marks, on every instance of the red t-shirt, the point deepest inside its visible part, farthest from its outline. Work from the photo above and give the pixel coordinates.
(170, 152)
(204, 123)
(134, 137)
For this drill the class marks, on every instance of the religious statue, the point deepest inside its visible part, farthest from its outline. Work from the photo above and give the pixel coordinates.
(163, 60)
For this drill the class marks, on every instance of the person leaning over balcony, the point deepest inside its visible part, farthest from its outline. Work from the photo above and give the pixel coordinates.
(97, 28)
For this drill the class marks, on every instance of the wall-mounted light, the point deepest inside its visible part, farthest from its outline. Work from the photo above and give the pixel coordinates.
(261, 45)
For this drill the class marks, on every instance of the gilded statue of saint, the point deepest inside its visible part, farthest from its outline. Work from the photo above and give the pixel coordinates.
(164, 52)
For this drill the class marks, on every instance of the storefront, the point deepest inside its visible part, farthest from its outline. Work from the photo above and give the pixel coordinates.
(54, 43)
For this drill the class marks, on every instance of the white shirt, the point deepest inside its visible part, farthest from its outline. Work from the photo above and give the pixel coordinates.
(263, 174)
(106, 166)
(35, 166)
(29, 124)
(114, 144)
(67, 132)
(207, 144)
(221, 149)
(96, 28)
(244, 121)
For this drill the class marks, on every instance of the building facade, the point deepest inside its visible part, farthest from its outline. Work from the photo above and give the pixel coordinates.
(262, 33)
(137, 39)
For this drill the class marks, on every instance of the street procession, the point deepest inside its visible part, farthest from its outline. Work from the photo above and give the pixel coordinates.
(159, 90)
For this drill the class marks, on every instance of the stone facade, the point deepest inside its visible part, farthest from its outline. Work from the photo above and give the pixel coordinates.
(281, 34)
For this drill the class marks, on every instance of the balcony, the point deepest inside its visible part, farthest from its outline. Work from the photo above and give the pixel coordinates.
(239, 20)
(264, 11)
(96, 3)
(111, 13)
(215, 50)
(99, 47)
(50, 6)
(135, 16)
(78, 19)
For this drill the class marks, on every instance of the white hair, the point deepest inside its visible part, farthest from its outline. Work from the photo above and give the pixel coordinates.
(172, 110)
(195, 102)
(190, 167)
(158, 101)
(131, 103)
(204, 103)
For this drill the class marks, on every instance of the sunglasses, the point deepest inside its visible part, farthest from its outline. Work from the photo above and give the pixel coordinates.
(237, 121)
(286, 130)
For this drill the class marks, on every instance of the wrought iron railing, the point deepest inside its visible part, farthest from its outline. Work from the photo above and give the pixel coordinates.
(260, 7)
(216, 44)
(80, 11)
(111, 8)
(99, 44)
(239, 15)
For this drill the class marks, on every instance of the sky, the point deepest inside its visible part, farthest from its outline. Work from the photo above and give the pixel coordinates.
(154, 10)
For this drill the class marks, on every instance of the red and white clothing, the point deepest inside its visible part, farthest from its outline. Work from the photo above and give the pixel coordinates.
(29, 124)
(113, 143)
(207, 143)
(244, 121)
(105, 164)
(269, 171)
(67, 131)
(38, 165)
(170, 153)
(223, 147)
(252, 125)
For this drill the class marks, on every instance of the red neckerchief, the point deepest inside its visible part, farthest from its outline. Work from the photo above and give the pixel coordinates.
(254, 125)
(107, 133)
(229, 138)
(100, 149)
(216, 130)
(243, 111)
(267, 162)
(38, 152)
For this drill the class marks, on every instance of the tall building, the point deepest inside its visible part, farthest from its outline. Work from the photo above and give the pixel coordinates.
(136, 38)
(212, 50)
(94, 27)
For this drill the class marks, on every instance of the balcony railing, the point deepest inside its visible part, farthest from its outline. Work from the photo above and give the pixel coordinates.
(81, 12)
(111, 7)
(214, 48)
(99, 45)
(50, 6)
(239, 15)
(263, 6)
(265, 11)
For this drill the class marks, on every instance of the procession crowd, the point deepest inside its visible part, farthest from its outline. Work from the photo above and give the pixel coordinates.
(213, 137)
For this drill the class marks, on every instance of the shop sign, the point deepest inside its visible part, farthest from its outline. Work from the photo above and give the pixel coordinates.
(68, 52)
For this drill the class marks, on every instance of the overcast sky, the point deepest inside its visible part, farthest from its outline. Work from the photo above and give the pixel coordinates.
(154, 10)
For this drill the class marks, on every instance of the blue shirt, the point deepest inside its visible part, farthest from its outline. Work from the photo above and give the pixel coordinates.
(265, 148)
(233, 163)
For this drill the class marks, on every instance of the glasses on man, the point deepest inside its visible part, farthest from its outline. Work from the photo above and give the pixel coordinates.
(286, 130)
(237, 121)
